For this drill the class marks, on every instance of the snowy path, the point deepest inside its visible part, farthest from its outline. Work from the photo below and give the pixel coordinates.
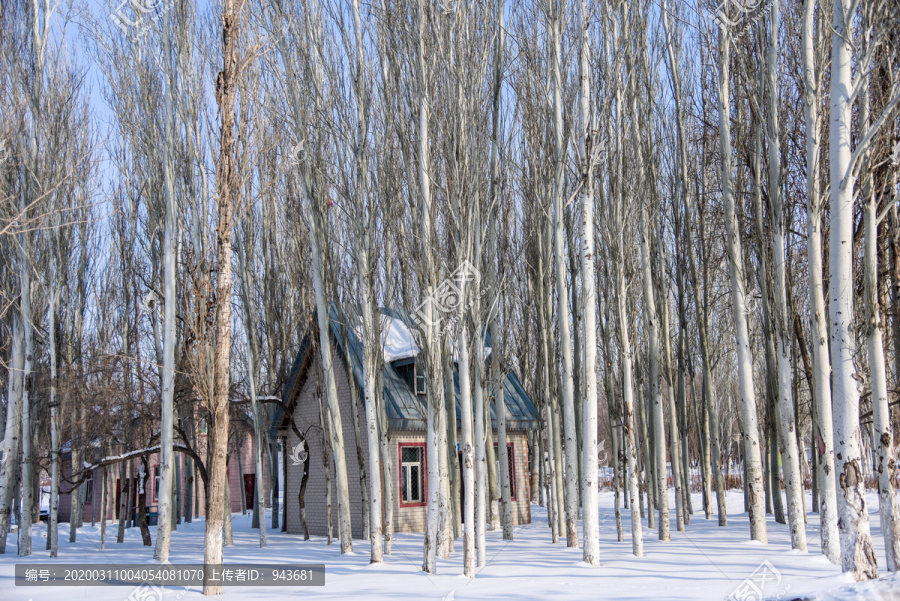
(706, 562)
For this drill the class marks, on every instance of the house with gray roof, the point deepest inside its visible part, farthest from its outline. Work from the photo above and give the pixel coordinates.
(309, 470)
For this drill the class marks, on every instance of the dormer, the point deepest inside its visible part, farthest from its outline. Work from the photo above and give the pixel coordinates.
(412, 371)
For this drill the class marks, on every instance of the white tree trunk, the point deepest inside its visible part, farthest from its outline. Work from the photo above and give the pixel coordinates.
(53, 518)
(465, 399)
(784, 332)
(434, 417)
(562, 291)
(445, 523)
(506, 509)
(857, 552)
(166, 434)
(559, 491)
(749, 418)
(387, 476)
(882, 436)
(39, 21)
(823, 439)
(554, 445)
(374, 457)
(590, 463)
(497, 369)
(548, 446)
(27, 483)
(335, 425)
(676, 453)
(454, 517)
(658, 430)
(670, 390)
(483, 438)
(13, 429)
(549, 496)
(334, 410)
(675, 72)
(371, 332)
(637, 535)
(481, 490)
(432, 519)
(616, 229)
(787, 430)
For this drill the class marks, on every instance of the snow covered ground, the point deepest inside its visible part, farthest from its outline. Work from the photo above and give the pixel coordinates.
(706, 562)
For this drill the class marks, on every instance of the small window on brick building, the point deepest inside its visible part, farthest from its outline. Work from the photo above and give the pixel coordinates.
(412, 474)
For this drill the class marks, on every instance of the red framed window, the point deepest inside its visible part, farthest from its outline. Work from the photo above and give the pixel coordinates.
(511, 462)
(413, 484)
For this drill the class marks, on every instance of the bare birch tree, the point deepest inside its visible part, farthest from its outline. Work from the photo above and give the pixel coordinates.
(857, 552)
(586, 156)
(783, 319)
(824, 434)
(735, 268)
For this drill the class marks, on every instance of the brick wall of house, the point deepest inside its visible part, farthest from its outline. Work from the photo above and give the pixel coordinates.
(522, 504)
(406, 519)
(412, 519)
(307, 418)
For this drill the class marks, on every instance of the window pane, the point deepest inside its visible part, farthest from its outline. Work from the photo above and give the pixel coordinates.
(412, 459)
(404, 477)
(411, 454)
(414, 483)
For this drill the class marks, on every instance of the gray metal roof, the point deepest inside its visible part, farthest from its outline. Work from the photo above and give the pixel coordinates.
(405, 410)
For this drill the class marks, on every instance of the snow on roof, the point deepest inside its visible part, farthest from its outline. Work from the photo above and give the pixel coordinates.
(397, 340)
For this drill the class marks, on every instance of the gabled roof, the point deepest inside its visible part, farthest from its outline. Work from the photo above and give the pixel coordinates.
(405, 410)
